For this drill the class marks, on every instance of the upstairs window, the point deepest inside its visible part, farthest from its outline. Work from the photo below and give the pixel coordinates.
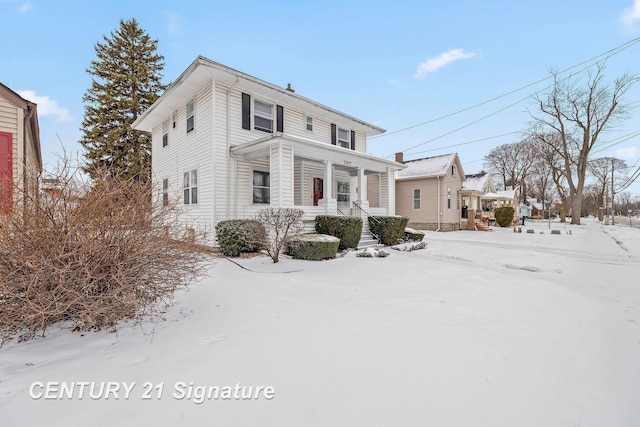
(191, 115)
(309, 122)
(165, 134)
(190, 187)
(453, 170)
(343, 138)
(262, 116)
(261, 187)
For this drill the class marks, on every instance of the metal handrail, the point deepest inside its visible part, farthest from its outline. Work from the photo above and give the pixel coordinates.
(359, 210)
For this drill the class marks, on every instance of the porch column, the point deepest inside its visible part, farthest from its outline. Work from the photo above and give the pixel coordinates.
(362, 187)
(330, 203)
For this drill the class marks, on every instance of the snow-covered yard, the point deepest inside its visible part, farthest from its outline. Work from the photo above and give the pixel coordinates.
(478, 329)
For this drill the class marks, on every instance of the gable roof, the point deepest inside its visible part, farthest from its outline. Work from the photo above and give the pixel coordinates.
(203, 70)
(478, 182)
(31, 124)
(429, 167)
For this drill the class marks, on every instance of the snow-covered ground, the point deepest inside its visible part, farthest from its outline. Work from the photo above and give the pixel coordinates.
(478, 329)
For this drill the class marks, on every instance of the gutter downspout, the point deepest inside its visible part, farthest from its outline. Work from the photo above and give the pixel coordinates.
(229, 155)
(25, 188)
(438, 204)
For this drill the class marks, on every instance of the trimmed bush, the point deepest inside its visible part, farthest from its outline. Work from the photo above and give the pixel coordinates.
(346, 228)
(504, 215)
(238, 236)
(312, 247)
(390, 229)
(411, 234)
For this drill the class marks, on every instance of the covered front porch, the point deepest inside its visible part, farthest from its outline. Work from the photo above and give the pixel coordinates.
(318, 178)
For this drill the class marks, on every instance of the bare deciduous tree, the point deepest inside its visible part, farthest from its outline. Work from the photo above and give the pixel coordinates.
(90, 254)
(279, 224)
(577, 114)
(601, 169)
(511, 162)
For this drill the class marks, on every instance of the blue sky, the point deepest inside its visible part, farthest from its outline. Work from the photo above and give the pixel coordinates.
(394, 64)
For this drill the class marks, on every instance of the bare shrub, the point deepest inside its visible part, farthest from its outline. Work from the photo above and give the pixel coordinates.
(91, 254)
(279, 224)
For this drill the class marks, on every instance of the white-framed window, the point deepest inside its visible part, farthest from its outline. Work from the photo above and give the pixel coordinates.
(417, 199)
(174, 118)
(344, 193)
(448, 197)
(453, 170)
(344, 140)
(165, 133)
(165, 192)
(309, 123)
(190, 187)
(261, 187)
(191, 115)
(263, 116)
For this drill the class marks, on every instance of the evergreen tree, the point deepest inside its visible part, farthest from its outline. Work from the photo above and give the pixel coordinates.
(125, 81)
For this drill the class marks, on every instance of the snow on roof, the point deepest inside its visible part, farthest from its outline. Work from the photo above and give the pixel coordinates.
(476, 182)
(429, 167)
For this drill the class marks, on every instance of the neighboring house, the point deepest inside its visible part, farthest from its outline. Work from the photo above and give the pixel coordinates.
(428, 192)
(475, 186)
(20, 153)
(229, 144)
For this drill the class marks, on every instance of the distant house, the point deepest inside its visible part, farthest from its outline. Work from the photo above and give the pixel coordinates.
(229, 144)
(20, 153)
(428, 192)
(475, 186)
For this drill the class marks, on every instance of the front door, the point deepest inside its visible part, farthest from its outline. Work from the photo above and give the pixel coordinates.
(318, 186)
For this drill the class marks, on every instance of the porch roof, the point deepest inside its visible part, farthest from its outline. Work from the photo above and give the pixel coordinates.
(315, 150)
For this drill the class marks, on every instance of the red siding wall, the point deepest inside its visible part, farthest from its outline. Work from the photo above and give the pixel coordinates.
(6, 172)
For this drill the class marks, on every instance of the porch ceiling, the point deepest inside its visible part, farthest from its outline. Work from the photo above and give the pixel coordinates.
(316, 151)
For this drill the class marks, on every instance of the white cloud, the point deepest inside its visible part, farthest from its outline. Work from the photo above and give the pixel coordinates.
(627, 153)
(631, 15)
(432, 65)
(26, 7)
(46, 106)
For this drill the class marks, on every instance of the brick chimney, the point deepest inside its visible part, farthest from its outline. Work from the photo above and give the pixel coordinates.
(399, 157)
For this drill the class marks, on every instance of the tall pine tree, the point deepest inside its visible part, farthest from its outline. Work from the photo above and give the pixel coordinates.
(125, 81)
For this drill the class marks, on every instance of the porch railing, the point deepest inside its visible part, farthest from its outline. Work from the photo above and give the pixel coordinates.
(366, 216)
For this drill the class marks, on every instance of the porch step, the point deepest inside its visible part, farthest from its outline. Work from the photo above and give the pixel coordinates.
(367, 240)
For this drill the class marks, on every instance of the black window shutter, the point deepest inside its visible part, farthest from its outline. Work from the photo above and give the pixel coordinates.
(333, 134)
(246, 111)
(279, 118)
(353, 139)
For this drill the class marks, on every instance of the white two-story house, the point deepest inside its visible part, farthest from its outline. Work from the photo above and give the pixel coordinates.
(229, 144)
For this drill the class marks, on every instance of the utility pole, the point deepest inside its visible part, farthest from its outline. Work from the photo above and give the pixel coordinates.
(613, 217)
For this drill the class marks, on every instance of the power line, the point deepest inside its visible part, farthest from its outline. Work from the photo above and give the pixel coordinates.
(607, 54)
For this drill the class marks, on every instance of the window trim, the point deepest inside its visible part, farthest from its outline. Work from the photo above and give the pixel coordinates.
(188, 187)
(308, 122)
(165, 192)
(348, 193)
(192, 116)
(165, 133)
(448, 197)
(339, 141)
(255, 113)
(419, 199)
(253, 186)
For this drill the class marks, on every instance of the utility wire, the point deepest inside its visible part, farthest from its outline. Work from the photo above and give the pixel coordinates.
(606, 54)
